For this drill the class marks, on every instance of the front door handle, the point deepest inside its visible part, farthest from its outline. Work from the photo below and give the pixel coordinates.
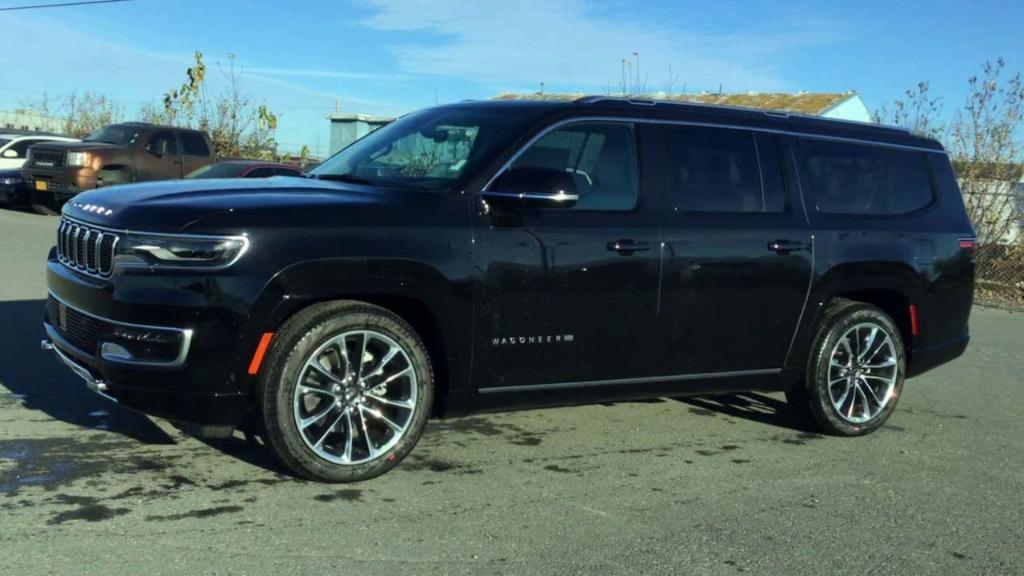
(626, 246)
(785, 246)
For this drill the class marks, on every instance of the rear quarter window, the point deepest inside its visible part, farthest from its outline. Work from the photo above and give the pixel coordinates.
(850, 178)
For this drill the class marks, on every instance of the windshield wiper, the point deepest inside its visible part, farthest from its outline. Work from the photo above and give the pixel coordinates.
(351, 179)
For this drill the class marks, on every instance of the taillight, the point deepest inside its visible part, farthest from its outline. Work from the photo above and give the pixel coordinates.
(968, 244)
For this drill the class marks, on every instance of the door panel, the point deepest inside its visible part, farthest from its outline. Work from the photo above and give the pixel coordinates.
(570, 294)
(738, 252)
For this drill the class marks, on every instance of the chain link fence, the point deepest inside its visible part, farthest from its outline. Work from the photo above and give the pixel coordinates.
(999, 278)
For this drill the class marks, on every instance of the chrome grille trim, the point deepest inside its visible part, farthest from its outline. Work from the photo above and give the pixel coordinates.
(86, 249)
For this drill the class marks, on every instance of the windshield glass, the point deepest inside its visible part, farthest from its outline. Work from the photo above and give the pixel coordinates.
(115, 134)
(3, 142)
(431, 149)
(221, 170)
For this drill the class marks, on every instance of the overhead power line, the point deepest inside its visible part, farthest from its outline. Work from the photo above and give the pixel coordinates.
(59, 5)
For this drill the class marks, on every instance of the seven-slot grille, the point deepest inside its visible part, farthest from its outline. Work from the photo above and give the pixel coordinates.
(48, 159)
(86, 249)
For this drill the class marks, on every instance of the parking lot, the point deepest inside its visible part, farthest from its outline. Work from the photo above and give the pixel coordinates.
(697, 486)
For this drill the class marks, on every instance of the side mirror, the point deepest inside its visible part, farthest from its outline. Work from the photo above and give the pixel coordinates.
(10, 153)
(534, 186)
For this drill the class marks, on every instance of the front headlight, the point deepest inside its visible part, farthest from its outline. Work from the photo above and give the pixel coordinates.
(184, 251)
(78, 158)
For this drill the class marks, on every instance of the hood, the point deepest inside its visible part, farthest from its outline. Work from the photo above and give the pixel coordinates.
(80, 146)
(175, 205)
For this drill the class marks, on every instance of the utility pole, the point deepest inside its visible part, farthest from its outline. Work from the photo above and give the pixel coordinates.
(637, 56)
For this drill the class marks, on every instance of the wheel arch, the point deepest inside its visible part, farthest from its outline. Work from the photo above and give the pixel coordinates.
(891, 286)
(414, 291)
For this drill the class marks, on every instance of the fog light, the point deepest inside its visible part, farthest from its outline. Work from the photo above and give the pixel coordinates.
(111, 351)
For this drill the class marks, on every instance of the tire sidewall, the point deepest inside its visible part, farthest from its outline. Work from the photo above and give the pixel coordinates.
(820, 400)
(282, 379)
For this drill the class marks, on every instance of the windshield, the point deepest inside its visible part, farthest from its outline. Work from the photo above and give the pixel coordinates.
(3, 142)
(115, 134)
(431, 149)
(221, 170)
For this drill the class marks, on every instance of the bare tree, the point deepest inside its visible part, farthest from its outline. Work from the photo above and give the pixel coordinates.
(238, 126)
(80, 114)
(984, 141)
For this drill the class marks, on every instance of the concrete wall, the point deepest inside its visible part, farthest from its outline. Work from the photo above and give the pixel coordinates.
(347, 128)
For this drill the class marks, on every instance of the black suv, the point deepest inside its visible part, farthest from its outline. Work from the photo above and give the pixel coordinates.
(487, 255)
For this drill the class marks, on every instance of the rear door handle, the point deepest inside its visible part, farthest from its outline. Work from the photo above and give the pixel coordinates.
(626, 246)
(785, 246)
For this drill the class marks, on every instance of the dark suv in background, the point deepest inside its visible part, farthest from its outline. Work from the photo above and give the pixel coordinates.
(486, 255)
(116, 154)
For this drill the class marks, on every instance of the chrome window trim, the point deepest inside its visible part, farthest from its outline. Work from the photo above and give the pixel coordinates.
(650, 379)
(639, 120)
(186, 338)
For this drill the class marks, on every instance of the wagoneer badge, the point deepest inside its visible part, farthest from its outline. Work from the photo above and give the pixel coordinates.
(524, 340)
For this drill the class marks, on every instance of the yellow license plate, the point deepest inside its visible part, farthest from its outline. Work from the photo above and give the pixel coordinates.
(41, 185)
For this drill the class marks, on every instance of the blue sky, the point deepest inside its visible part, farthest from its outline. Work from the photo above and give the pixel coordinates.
(391, 56)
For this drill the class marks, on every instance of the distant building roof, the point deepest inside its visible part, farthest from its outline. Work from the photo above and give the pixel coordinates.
(816, 103)
(351, 117)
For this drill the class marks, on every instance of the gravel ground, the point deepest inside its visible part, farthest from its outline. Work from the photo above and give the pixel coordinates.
(717, 485)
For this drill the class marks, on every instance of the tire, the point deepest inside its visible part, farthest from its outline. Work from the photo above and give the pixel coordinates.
(859, 349)
(348, 433)
(113, 177)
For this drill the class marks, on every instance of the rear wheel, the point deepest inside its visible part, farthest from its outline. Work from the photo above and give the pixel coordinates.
(346, 392)
(856, 372)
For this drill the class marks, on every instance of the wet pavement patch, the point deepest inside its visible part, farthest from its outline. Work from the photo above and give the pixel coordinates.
(350, 495)
(200, 514)
(87, 509)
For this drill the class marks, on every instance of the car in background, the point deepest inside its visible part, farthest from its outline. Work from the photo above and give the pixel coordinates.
(12, 187)
(14, 147)
(244, 169)
(115, 154)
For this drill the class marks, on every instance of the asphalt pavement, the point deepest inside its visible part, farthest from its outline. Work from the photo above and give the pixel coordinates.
(716, 485)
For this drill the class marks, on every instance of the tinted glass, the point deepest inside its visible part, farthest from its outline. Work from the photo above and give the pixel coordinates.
(286, 171)
(194, 144)
(21, 147)
(259, 173)
(715, 170)
(601, 158)
(862, 179)
(163, 143)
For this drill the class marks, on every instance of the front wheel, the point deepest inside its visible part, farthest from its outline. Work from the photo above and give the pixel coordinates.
(856, 371)
(346, 392)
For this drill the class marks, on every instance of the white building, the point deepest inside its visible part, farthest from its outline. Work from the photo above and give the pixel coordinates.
(21, 120)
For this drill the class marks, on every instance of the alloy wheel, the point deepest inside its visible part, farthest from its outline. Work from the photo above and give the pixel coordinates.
(863, 372)
(355, 397)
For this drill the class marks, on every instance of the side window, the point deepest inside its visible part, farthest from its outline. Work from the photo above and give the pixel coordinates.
(163, 143)
(848, 178)
(21, 147)
(716, 170)
(194, 144)
(600, 157)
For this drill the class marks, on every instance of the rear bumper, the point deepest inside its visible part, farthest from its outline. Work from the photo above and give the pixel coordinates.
(924, 359)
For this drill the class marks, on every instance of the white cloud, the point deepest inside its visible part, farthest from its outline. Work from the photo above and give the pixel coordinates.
(566, 43)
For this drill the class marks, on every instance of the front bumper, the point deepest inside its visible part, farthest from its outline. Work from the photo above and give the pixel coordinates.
(198, 376)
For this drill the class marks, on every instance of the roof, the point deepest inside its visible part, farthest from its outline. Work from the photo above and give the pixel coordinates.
(813, 103)
(350, 117)
(245, 162)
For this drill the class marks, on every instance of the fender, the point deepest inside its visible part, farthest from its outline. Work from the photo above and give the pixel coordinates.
(440, 309)
(892, 276)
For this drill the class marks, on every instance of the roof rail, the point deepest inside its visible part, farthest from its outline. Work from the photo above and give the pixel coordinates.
(596, 99)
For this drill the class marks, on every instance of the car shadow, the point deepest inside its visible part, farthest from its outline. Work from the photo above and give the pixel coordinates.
(752, 406)
(41, 382)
